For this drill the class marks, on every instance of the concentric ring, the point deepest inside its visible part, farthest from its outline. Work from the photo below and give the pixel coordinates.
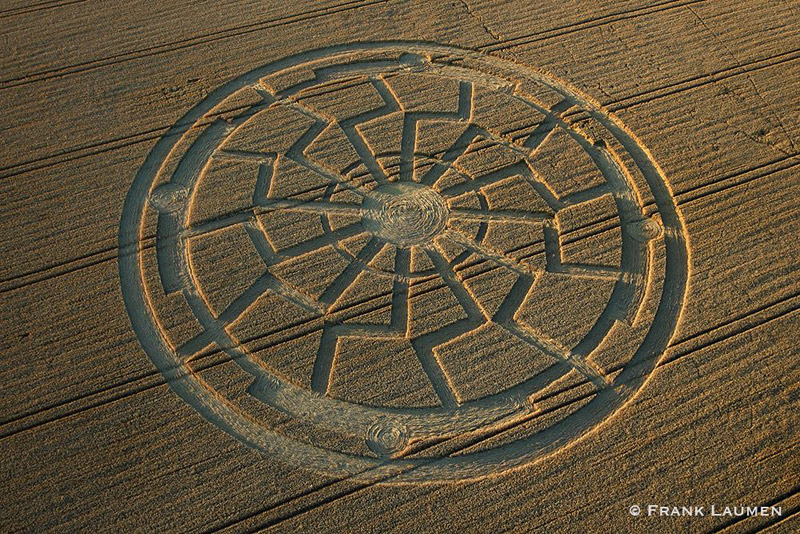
(411, 215)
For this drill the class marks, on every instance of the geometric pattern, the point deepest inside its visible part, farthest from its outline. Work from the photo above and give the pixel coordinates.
(404, 244)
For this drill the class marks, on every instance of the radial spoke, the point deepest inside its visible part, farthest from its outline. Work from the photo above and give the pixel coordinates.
(220, 223)
(241, 303)
(400, 294)
(450, 278)
(514, 299)
(297, 154)
(294, 296)
(590, 371)
(323, 364)
(320, 242)
(543, 131)
(267, 99)
(505, 314)
(270, 205)
(423, 346)
(195, 345)
(325, 173)
(266, 282)
(346, 278)
(505, 317)
(488, 253)
(552, 245)
(585, 196)
(266, 172)
(263, 157)
(321, 374)
(410, 133)
(349, 126)
(451, 155)
(408, 146)
(540, 134)
(519, 168)
(499, 215)
(588, 271)
(312, 206)
(213, 326)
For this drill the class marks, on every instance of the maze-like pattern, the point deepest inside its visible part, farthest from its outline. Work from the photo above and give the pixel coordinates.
(302, 176)
(402, 260)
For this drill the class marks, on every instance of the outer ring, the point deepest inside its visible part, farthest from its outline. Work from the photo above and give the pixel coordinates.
(193, 390)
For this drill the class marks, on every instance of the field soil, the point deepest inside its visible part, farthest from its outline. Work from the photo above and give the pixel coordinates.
(389, 266)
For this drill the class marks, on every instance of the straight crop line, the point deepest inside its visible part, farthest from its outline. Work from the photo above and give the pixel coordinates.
(149, 380)
(34, 8)
(587, 24)
(684, 197)
(778, 310)
(703, 79)
(361, 486)
(150, 51)
(772, 502)
(71, 154)
(80, 152)
(247, 28)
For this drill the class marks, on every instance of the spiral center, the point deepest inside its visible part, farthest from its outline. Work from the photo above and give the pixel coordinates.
(405, 213)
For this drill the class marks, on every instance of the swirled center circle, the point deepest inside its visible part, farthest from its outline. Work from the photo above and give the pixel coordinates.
(405, 214)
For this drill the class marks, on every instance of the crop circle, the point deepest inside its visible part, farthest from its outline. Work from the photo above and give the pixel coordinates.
(406, 250)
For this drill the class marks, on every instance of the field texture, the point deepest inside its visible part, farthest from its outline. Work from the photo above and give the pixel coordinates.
(378, 266)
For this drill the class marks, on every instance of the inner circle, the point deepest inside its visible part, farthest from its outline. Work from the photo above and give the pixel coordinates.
(405, 213)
